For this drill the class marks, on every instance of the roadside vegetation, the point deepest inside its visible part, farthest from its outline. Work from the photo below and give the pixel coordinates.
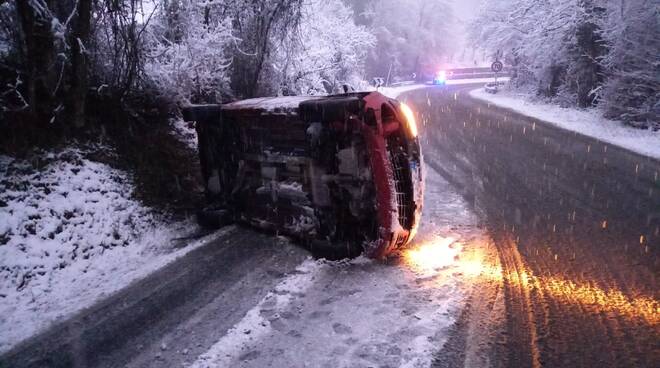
(580, 53)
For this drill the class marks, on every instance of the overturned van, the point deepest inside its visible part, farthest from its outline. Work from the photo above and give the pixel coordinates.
(342, 173)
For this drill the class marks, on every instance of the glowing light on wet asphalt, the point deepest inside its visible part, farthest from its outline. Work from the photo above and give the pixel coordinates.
(591, 297)
(601, 300)
(433, 255)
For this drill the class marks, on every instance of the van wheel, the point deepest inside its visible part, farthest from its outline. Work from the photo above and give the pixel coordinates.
(333, 251)
(214, 218)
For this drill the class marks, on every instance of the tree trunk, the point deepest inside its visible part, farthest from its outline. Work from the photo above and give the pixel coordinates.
(79, 79)
(589, 49)
(38, 53)
(266, 18)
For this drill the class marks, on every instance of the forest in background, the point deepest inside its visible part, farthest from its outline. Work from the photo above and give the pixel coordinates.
(72, 66)
(580, 52)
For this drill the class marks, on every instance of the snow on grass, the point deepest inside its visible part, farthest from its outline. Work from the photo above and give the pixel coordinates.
(70, 233)
(589, 122)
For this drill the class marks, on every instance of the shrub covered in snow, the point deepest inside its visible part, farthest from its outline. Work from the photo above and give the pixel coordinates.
(71, 233)
(189, 50)
(632, 89)
(328, 50)
(202, 51)
(65, 209)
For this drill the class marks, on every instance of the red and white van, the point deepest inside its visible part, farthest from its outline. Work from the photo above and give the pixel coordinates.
(342, 173)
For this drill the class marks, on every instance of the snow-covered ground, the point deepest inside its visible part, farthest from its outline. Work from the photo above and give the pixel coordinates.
(452, 82)
(394, 92)
(589, 122)
(363, 313)
(375, 316)
(71, 233)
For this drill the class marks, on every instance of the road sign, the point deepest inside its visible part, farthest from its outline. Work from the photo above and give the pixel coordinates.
(496, 66)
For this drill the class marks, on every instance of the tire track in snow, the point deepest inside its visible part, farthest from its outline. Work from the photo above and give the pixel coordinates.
(343, 314)
(255, 324)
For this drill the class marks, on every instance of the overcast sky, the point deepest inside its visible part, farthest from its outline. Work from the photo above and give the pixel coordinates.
(465, 9)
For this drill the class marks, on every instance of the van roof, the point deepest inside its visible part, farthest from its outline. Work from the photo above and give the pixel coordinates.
(270, 103)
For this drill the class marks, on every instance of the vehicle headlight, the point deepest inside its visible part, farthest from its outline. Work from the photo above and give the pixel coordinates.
(410, 119)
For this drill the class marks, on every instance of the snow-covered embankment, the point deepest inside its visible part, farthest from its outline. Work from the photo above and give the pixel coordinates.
(71, 233)
(589, 122)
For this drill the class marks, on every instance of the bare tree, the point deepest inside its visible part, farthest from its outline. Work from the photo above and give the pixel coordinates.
(38, 53)
(78, 38)
(631, 91)
(53, 54)
(259, 24)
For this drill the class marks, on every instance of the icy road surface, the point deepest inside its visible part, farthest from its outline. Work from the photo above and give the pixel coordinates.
(576, 224)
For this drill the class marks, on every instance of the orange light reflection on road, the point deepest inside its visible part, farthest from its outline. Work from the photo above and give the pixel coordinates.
(432, 255)
(600, 300)
(591, 297)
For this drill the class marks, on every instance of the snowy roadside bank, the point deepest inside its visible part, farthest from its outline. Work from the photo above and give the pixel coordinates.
(394, 92)
(584, 121)
(70, 233)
